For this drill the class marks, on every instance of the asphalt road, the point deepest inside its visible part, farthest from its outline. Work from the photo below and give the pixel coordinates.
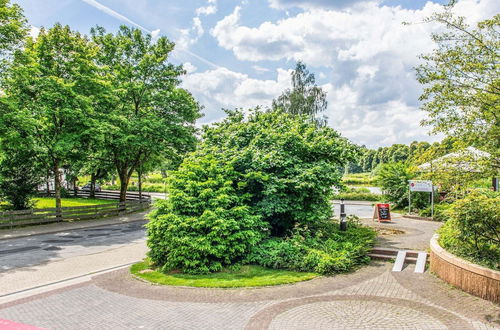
(40, 249)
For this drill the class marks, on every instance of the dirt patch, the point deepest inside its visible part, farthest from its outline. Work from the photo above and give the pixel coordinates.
(388, 231)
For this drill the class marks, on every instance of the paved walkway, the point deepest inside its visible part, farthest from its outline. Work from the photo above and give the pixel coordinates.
(371, 298)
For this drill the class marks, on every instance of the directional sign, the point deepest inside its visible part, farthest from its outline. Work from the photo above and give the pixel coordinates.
(421, 185)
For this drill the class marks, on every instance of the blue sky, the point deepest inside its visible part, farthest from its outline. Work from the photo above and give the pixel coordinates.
(240, 53)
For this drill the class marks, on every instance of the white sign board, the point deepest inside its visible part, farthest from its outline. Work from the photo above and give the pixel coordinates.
(421, 185)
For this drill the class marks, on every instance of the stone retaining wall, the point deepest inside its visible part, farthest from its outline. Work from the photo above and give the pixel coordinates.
(469, 277)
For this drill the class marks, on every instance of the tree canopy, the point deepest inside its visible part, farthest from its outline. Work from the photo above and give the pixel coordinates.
(462, 82)
(50, 91)
(146, 113)
(305, 97)
(12, 27)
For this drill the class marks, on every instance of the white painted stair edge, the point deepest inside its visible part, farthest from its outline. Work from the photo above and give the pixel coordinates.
(421, 259)
(400, 261)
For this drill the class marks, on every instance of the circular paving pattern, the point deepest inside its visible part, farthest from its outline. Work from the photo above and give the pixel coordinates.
(353, 314)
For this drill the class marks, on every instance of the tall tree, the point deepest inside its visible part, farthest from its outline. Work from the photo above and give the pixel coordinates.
(149, 114)
(462, 82)
(12, 27)
(305, 97)
(51, 88)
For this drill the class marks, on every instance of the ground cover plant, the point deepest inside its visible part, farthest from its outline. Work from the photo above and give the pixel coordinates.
(260, 179)
(473, 229)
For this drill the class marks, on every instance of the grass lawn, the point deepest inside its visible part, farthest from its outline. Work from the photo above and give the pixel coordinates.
(49, 202)
(246, 276)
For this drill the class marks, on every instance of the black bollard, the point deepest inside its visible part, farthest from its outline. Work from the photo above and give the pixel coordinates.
(343, 220)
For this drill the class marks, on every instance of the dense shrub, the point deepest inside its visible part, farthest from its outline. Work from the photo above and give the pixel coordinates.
(441, 211)
(255, 177)
(326, 251)
(393, 180)
(205, 224)
(473, 230)
(19, 177)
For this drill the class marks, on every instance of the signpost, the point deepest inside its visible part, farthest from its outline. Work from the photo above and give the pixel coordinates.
(421, 185)
(382, 212)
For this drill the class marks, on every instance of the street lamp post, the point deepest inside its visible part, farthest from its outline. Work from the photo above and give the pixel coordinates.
(343, 220)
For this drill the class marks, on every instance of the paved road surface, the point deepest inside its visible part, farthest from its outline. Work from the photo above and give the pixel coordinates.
(40, 249)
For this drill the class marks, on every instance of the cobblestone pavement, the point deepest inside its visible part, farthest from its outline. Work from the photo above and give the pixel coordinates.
(371, 298)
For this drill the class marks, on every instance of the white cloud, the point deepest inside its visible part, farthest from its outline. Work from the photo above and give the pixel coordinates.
(223, 88)
(260, 69)
(190, 36)
(34, 31)
(283, 4)
(207, 10)
(189, 67)
(155, 34)
(370, 53)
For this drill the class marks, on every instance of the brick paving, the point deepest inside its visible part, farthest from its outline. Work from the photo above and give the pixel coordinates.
(372, 297)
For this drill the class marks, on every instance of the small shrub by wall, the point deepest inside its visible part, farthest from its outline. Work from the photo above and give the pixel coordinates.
(474, 279)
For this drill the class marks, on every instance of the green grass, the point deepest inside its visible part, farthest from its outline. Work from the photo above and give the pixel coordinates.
(246, 276)
(49, 202)
(359, 179)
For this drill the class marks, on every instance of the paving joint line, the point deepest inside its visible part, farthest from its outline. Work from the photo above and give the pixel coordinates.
(93, 273)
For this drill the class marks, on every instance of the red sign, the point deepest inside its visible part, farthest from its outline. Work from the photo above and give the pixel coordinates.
(382, 212)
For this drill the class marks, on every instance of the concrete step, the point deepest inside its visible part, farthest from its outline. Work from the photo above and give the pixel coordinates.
(385, 257)
(394, 252)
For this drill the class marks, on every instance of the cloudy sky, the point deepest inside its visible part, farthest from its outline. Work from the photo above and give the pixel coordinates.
(240, 53)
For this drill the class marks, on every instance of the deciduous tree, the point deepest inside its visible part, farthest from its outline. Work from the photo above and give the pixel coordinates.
(149, 114)
(305, 97)
(51, 89)
(462, 82)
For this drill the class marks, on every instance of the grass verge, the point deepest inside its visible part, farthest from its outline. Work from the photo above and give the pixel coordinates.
(246, 276)
(49, 202)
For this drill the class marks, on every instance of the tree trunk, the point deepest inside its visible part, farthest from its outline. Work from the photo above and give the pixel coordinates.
(124, 179)
(48, 183)
(57, 189)
(75, 188)
(139, 173)
(92, 185)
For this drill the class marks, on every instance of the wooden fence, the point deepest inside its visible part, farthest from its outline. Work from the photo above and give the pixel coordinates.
(105, 194)
(10, 219)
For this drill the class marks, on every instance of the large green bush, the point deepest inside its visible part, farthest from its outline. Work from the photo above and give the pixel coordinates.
(253, 176)
(297, 164)
(473, 230)
(206, 223)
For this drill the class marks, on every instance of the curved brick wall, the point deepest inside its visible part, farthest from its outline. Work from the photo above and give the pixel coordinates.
(469, 277)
